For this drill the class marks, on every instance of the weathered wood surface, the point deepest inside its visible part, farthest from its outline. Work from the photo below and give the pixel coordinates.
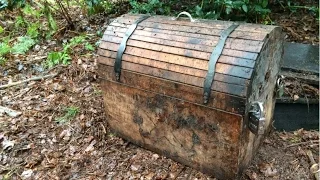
(182, 91)
(195, 135)
(158, 103)
(262, 88)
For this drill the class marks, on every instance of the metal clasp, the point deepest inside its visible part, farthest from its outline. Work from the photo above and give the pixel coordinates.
(257, 118)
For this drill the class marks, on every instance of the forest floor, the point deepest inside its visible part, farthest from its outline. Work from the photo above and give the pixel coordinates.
(59, 129)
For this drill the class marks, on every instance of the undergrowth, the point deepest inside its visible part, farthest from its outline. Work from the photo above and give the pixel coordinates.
(70, 113)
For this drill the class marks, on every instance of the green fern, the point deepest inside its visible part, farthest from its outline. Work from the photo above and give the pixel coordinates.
(55, 58)
(4, 49)
(23, 44)
(2, 61)
(70, 113)
(32, 30)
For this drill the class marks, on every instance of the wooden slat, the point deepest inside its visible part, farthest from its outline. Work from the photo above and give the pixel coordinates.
(237, 44)
(194, 32)
(182, 78)
(193, 94)
(183, 52)
(202, 48)
(213, 34)
(173, 67)
(201, 23)
(227, 69)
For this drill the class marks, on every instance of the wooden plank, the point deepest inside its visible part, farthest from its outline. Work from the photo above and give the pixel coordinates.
(175, 68)
(231, 43)
(213, 33)
(182, 78)
(227, 69)
(195, 135)
(202, 48)
(186, 92)
(183, 52)
(201, 23)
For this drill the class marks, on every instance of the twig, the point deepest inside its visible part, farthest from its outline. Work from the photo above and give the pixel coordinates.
(314, 169)
(301, 143)
(179, 172)
(27, 80)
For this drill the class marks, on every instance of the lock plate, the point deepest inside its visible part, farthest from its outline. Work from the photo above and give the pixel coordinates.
(257, 118)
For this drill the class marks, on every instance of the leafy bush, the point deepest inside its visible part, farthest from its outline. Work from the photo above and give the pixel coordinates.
(4, 49)
(23, 44)
(151, 7)
(70, 113)
(98, 6)
(233, 9)
(208, 9)
(55, 58)
(63, 57)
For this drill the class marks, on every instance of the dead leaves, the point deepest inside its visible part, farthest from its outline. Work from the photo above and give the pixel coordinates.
(267, 169)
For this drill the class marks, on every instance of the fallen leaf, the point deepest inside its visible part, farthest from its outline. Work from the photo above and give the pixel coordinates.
(252, 175)
(295, 97)
(27, 174)
(155, 156)
(150, 176)
(267, 169)
(10, 112)
(135, 167)
(7, 144)
(91, 146)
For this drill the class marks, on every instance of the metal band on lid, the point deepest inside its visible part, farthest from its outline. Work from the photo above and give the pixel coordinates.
(123, 44)
(213, 60)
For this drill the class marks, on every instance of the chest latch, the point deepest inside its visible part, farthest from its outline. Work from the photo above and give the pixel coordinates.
(257, 118)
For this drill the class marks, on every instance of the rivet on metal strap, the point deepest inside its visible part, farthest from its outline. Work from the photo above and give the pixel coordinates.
(213, 60)
(123, 44)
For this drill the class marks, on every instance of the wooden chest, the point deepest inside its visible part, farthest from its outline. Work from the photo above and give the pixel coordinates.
(201, 92)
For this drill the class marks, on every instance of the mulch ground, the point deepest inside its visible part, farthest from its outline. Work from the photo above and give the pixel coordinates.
(37, 145)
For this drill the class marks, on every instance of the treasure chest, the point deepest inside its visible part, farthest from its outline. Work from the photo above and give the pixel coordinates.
(201, 92)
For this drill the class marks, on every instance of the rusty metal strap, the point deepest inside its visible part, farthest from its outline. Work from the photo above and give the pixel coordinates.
(123, 44)
(213, 60)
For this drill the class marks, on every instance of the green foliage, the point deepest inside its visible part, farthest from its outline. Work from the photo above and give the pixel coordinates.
(4, 49)
(1, 30)
(63, 57)
(11, 4)
(2, 61)
(98, 6)
(88, 47)
(294, 6)
(55, 58)
(3, 4)
(20, 22)
(23, 44)
(33, 30)
(232, 9)
(31, 11)
(70, 113)
(151, 7)
(52, 26)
